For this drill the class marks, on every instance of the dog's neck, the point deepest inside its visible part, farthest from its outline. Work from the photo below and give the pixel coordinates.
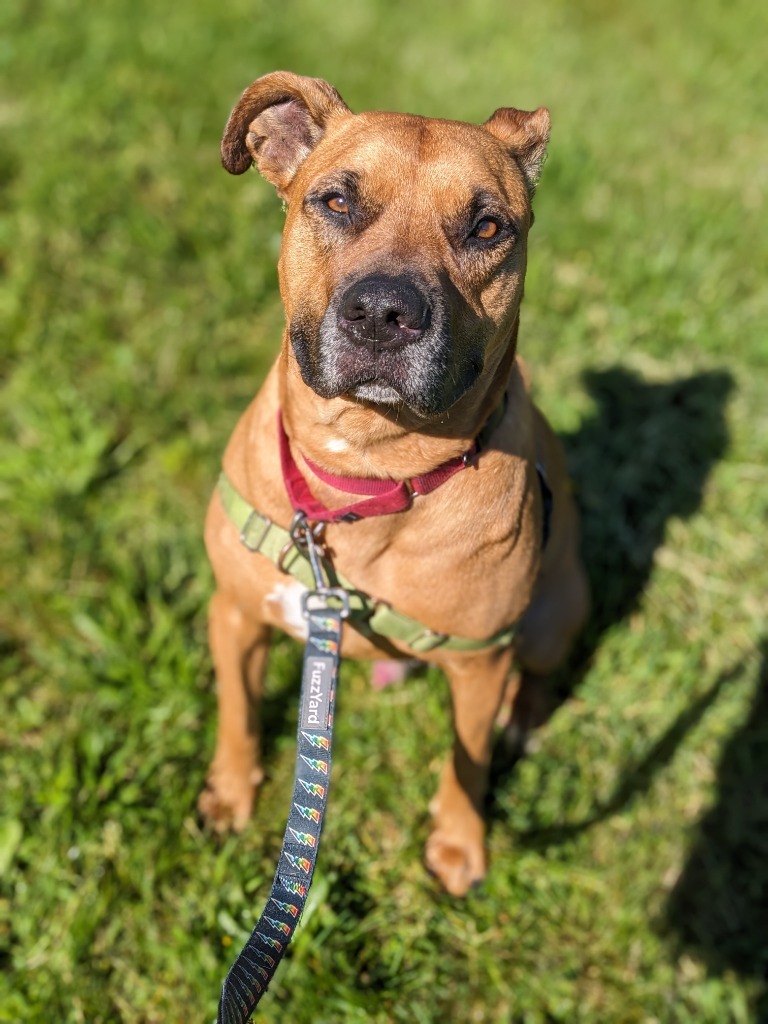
(356, 439)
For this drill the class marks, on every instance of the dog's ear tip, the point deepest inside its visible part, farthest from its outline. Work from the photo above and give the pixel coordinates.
(236, 159)
(538, 120)
(542, 117)
(292, 113)
(526, 134)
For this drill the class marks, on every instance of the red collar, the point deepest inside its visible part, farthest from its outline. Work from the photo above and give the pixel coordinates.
(384, 496)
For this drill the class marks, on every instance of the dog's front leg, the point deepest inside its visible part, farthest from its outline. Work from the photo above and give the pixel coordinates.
(456, 848)
(239, 646)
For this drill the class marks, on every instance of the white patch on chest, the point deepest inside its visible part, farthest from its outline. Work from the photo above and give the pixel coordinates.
(285, 598)
(336, 444)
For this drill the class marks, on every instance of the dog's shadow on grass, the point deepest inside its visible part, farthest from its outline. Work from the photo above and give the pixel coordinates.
(641, 459)
(719, 905)
(644, 457)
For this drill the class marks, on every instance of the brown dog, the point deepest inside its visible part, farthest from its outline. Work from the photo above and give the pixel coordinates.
(401, 271)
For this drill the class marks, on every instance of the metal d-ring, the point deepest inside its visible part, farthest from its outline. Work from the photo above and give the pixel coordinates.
(284, 552)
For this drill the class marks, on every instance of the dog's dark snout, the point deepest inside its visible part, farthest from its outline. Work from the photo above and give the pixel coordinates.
(384, 312)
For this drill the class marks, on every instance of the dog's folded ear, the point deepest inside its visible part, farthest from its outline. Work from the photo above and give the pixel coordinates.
(526, 134)
(277, 123)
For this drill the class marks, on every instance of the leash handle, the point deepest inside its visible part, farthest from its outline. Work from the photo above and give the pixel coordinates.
(250, 974)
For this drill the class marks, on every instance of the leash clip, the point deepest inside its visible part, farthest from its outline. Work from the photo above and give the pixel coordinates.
(308, 538)
(334, 599)
(298, 532)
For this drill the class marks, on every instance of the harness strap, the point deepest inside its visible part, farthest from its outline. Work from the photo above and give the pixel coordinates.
(367, 615)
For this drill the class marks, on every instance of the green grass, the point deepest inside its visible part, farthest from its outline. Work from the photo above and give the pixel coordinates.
(138, 313)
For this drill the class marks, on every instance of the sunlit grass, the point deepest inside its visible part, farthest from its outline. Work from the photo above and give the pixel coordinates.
(138, 313)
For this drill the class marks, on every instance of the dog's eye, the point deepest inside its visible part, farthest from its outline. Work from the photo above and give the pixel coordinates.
(486, 229)
(337, 203)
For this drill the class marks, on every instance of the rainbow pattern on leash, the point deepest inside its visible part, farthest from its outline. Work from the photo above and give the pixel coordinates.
(321, 742)
(310, 813)
(279, 926)
(300, 863)
(313, 788)
(324, 645)
(304, 838)
(287, 908)
(327, 625)
(293, 885)
(242, 1001)
(316, 764)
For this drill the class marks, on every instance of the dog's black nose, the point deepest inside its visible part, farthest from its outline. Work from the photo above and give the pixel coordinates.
(384, 312)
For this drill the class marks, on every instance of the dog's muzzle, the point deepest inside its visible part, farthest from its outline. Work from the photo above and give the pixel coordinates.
(387, 339)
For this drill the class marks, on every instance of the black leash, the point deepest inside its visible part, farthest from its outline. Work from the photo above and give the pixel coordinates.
(324, 608)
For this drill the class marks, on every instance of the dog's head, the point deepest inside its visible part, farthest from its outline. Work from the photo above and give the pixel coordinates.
(404, 249)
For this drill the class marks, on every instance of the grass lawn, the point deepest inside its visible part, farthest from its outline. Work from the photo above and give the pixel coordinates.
(138, 313)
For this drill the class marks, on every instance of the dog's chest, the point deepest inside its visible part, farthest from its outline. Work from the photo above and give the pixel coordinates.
(283, 603)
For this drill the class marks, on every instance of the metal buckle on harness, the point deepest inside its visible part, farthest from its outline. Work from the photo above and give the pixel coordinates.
(246, 528)
(428, 640)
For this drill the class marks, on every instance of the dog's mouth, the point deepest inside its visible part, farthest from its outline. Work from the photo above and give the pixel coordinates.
(387, 341)
(377, 394)
(419, 377)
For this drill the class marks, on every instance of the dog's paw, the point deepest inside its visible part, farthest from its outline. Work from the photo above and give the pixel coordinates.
(457, 863)
(227, 800)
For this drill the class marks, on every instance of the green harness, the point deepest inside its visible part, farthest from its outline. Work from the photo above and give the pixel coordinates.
(371, 618)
